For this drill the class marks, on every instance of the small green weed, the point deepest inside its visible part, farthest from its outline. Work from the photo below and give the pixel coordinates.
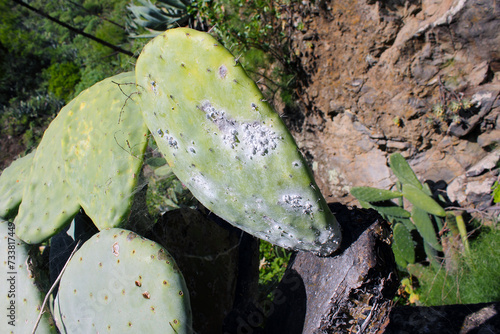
(477, 279)
(273, 262)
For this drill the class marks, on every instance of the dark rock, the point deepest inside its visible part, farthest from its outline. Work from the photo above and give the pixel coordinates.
(352, 289)
(483, 102)
(450, 319)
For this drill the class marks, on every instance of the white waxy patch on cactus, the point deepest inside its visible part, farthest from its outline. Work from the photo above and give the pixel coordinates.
(256, 138)
(259, 138)
(203, 184)
(296, 203)
(171, 141)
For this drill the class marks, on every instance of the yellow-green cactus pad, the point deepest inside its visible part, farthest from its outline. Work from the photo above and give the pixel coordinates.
(103, 143)
(48, 202)
(12, 183)
(21, 300)
(227, 145)
(119, 282)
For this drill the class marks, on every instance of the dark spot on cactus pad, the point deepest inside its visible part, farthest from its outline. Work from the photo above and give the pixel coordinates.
(165, 282)
(129, 324)
(222, 71)
(74, 291)
(161, 255)
(131, 236)
(181, 293)
(81, 258)
(146, 295)
(116, 249)
(106, 297)
(100, 264)
(123, 292)
(154, 87)
(138, 283)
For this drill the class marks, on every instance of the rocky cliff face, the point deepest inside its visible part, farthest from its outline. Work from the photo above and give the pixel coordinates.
(417, 77)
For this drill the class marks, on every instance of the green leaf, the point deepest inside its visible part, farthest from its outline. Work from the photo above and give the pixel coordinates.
(403, 245)
(425, 227)
(369, 194)
(389, 210)
(156, 162)
(164, 170)
(403, 171)
(420, 199)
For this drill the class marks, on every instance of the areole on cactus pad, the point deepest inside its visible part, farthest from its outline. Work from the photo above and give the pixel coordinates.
(226, 143)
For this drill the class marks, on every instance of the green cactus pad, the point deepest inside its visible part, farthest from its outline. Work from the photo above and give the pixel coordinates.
(403, 171)
(12, 183)
(103, 145)
(403, 245)
(20, 297)
(389, 209)
(227, 145)
(421, 200)
(369, 194)
(425, 227)
(48, 202)
(119, 282)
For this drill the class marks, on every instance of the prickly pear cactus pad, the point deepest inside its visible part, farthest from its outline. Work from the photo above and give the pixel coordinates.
(19, 295)
(119, 282)
(103, 145)
(12, 183)
(48, 201)
(226, 143)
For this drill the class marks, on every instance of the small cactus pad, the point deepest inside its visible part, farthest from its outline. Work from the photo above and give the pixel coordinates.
(12, 183)
(119, 282)
(20, 298)
(227, 145)
(48, 202)
(103, 144)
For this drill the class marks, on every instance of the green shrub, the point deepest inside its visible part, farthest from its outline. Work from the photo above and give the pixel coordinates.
(477, 279)
(62, 79)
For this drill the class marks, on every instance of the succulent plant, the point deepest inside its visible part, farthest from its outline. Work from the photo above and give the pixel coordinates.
(48, 202)
(12, 183)
(90, 156)
(21, 298)
(160, 16)
(227, 145)
(103, 144)
(119, 282)
(424, 207)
